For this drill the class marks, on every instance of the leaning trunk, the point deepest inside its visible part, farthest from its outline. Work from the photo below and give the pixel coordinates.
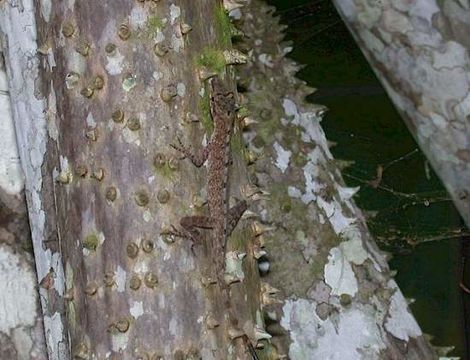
(21, 327)
(419, 51)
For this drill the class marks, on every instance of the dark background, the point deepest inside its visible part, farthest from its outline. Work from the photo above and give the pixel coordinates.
(409, 213)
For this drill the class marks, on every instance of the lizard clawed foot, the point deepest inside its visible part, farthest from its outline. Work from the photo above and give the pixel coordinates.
(181, 148)
(185, 235)
(187, 152)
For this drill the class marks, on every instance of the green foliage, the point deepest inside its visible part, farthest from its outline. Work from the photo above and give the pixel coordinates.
(205, 110)
(212, 59)
(90, 242)
(154, 23)
(223, 26)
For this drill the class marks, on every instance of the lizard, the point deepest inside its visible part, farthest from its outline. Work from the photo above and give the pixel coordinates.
(222, 219)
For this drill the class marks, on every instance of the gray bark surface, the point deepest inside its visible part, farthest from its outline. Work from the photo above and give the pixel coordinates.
(336, 297)
(21, 326)
(99, 96)
(103, 190)
(419, 50)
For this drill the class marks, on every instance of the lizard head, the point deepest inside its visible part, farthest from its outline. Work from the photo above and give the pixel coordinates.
(222, 100)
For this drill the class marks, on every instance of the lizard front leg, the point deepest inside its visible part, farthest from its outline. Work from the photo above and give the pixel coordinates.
(191, 224)
(196, 159)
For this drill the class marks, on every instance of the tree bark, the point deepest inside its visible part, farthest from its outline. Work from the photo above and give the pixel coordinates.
(336, 295)
(419, 51)
(21, 327)
(98, 96)
(99, 93)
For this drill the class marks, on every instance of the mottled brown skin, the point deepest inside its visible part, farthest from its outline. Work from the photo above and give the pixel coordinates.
(221, 219)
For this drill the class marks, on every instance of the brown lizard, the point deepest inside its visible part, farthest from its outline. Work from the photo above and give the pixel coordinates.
(221, 219)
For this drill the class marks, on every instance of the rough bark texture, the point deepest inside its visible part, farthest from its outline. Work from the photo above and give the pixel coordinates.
(29, 110)
(97, 103)
(337, 297)
(419, 50)
(97, 100)
(21, 327)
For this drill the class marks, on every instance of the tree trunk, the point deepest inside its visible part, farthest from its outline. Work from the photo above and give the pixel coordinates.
(96, 112)
(338, 295)
(21, 327)
(419, 51)
(97, 104)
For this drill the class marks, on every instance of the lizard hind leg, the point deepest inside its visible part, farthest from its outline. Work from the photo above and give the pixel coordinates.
(234, 215)
(191, 224)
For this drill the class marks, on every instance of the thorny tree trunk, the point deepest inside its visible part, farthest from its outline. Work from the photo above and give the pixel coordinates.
(98, 96)
(21, 328)
(111, 185)
(419, 50)
(339, 300)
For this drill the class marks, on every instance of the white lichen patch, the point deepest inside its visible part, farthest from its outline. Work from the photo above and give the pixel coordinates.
(235, 14)
(46, 7)
(293, 192)
(70, 4)
(129, 82)
(175, 12)
(177, 43)
(76, 63)
(115, 63)
(59, 276)
(23, 342)
(339, 274)
(283, 157)
(400, 323)
(335, 214)
(68, 275)
(310, 122)
(65, 174)
(130, 137)
(231, 5)
(29, 109)
(352, 248)
(157, 75)
(138, 17)
(141, 266)
(266, 60)
(165, 247)
(119, 341)
(309, 247)
(120, 279)
(181, 89)
(52, 129)
(302, 323)
(160, 36)
(90, 120)
(233, 266)
(137, 309)
(186, 264)
(11, 175)
(54, 331)
(147, 215)
(173, 326)
(354, 335)
(346, 193)
(17, 292)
